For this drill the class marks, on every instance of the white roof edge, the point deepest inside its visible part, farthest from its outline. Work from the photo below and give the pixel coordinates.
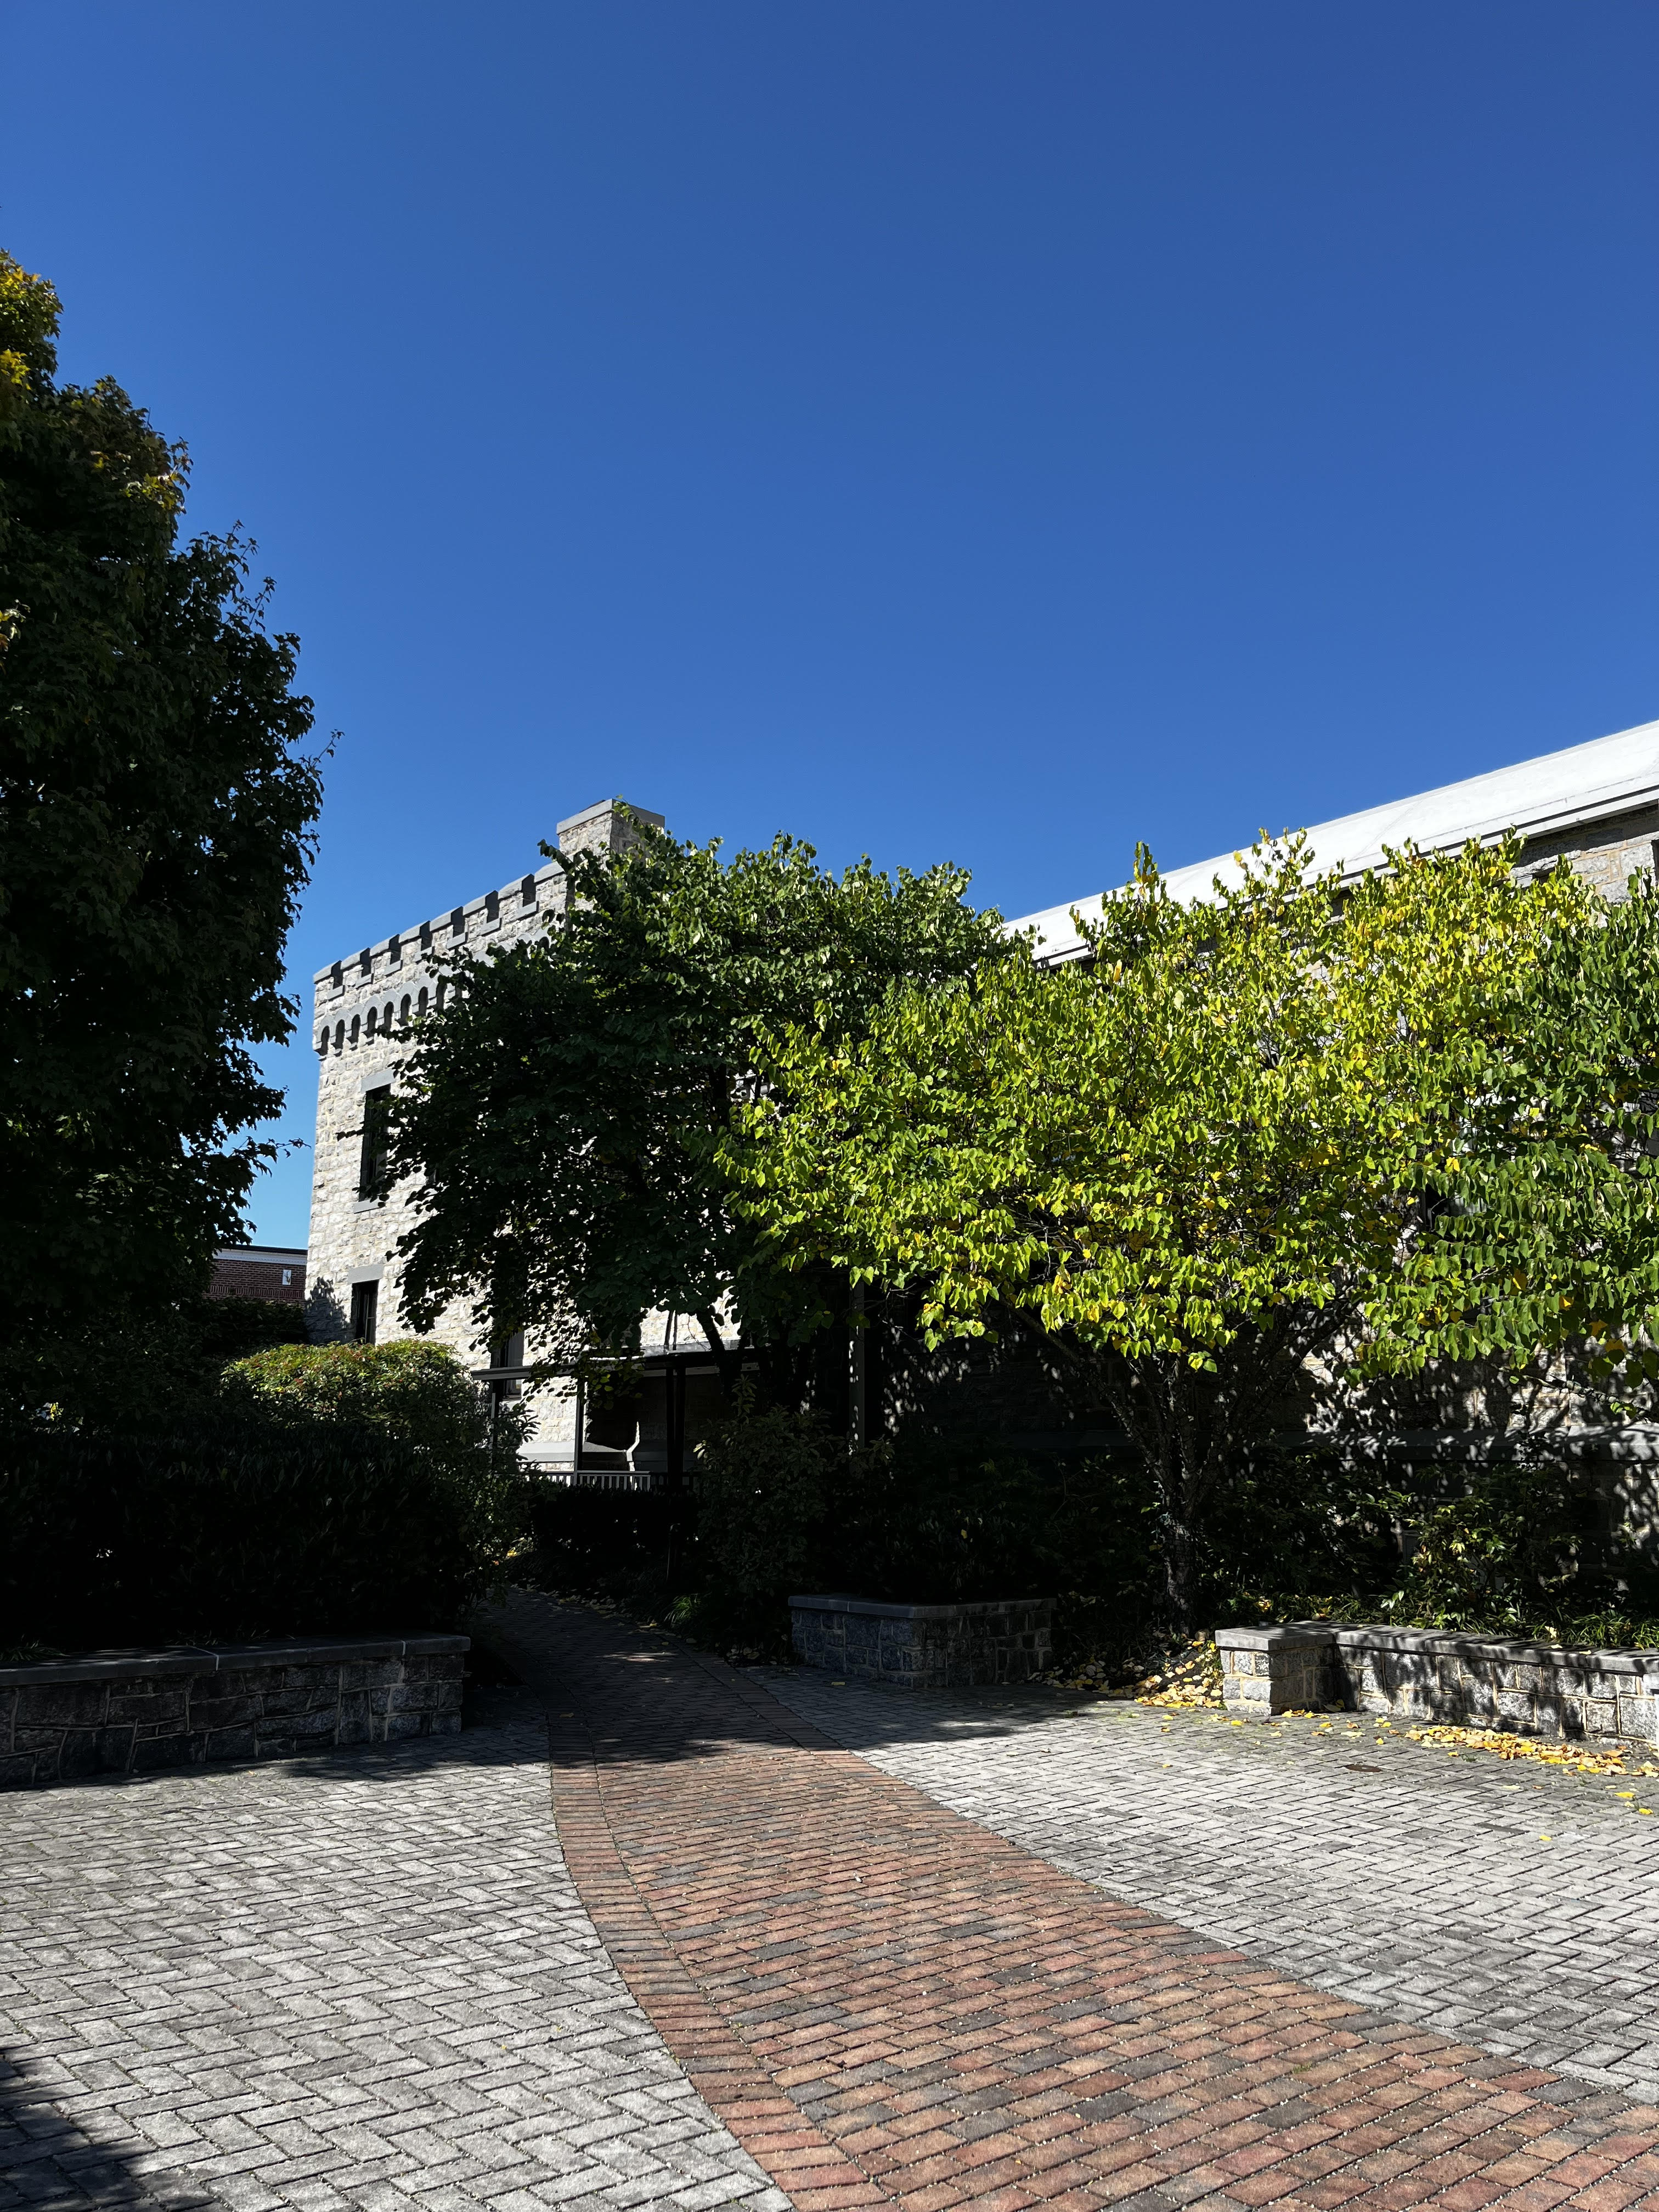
(1559, 791)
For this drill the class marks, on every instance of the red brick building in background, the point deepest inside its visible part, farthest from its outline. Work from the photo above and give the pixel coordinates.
(260, 1271)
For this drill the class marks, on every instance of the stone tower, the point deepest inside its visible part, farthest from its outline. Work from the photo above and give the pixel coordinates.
(363, 1005)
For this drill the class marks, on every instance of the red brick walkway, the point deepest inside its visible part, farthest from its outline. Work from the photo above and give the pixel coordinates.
(886, 2004)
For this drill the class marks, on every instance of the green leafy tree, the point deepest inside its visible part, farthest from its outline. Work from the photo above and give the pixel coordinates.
(154, 826)
(1201, 1158)
(1549, 1232)
(565, 1113)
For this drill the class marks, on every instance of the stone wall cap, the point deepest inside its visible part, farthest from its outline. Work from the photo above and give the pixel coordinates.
(1512, 1650)
(1273, 1639)
(142, 1665)
(840, 1602)
(1443, 1643)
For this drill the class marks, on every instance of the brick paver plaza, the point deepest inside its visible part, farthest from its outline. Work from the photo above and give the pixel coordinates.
(763, 1938)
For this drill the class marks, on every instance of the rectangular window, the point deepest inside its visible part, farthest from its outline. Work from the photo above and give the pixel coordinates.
(377, 1127)
(365, 1297)
(509, 1352)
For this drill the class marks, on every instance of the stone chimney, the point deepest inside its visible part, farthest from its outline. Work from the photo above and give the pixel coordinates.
(607, 827)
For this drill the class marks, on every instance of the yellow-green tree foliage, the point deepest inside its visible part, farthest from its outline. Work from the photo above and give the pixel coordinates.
(1216, 1156)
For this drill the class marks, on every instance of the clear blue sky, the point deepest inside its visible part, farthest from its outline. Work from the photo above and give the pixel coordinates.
(939, 429)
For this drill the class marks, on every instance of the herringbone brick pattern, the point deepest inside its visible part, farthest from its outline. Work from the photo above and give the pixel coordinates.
(327, 1984)
(954, 2021)
(1501, 1903)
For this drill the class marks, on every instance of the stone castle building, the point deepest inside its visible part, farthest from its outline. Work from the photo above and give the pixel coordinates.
(363, 1003)
(1598, 803)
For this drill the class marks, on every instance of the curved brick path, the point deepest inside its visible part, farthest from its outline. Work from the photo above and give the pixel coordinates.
(886, 2003)
(1500, 1903)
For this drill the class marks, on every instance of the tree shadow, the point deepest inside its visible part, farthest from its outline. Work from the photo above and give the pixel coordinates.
(618, 1693)
(52, 2164)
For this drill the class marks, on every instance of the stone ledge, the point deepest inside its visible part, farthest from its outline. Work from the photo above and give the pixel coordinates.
(1430, 1675)
(969, 1608)
(1310, 1634)
(138, 1665)
(984, 1641)
(113, 1712)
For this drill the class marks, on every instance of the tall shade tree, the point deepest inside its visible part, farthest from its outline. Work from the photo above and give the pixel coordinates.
(565, 1113)
(154, 823)
(1200, 1158)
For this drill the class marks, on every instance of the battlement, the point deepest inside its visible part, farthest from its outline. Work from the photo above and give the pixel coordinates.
(401, 965)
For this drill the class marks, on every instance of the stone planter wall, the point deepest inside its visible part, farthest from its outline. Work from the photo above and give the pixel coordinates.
(933, 1647)
(130, 1712)
(1417, 1674)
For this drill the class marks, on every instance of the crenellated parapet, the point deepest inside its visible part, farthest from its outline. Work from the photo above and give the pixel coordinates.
(360, 997)
(363, 1005)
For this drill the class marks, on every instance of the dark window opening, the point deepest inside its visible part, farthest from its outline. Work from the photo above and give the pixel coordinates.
(458, 920)
(492, 906)
(610, 1425)
(527, 892)
(375, 1162)
(509, 1352)
(365, 1297)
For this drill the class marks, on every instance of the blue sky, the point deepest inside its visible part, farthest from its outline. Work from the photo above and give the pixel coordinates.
(996, 433)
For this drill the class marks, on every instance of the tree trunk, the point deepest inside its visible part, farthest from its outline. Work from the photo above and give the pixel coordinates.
(729, 1364)
(1180, 1574)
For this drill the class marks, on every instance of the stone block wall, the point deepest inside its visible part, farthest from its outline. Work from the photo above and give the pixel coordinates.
(133, 1712)
(1421, 1675)
(933, 1647)
(1607, 853)
(363, 1005)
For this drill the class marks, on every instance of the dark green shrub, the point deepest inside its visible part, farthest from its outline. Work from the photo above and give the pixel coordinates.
(634, 1547)
(234, 1328)
(949, 1521)
(1507, 1549)
(411, 1390)
(347, 1489)
(1299, 1521)
(765, 1483)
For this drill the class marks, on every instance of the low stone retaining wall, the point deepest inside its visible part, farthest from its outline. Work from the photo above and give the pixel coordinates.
(925, 1647)
(1420, 1674)
(130, 1712)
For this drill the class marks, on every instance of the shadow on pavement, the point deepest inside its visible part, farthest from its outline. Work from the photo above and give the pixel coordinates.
(50, 2165)
(616, 1693)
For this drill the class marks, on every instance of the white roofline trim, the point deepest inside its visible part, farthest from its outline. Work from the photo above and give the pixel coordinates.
(1552, 793)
